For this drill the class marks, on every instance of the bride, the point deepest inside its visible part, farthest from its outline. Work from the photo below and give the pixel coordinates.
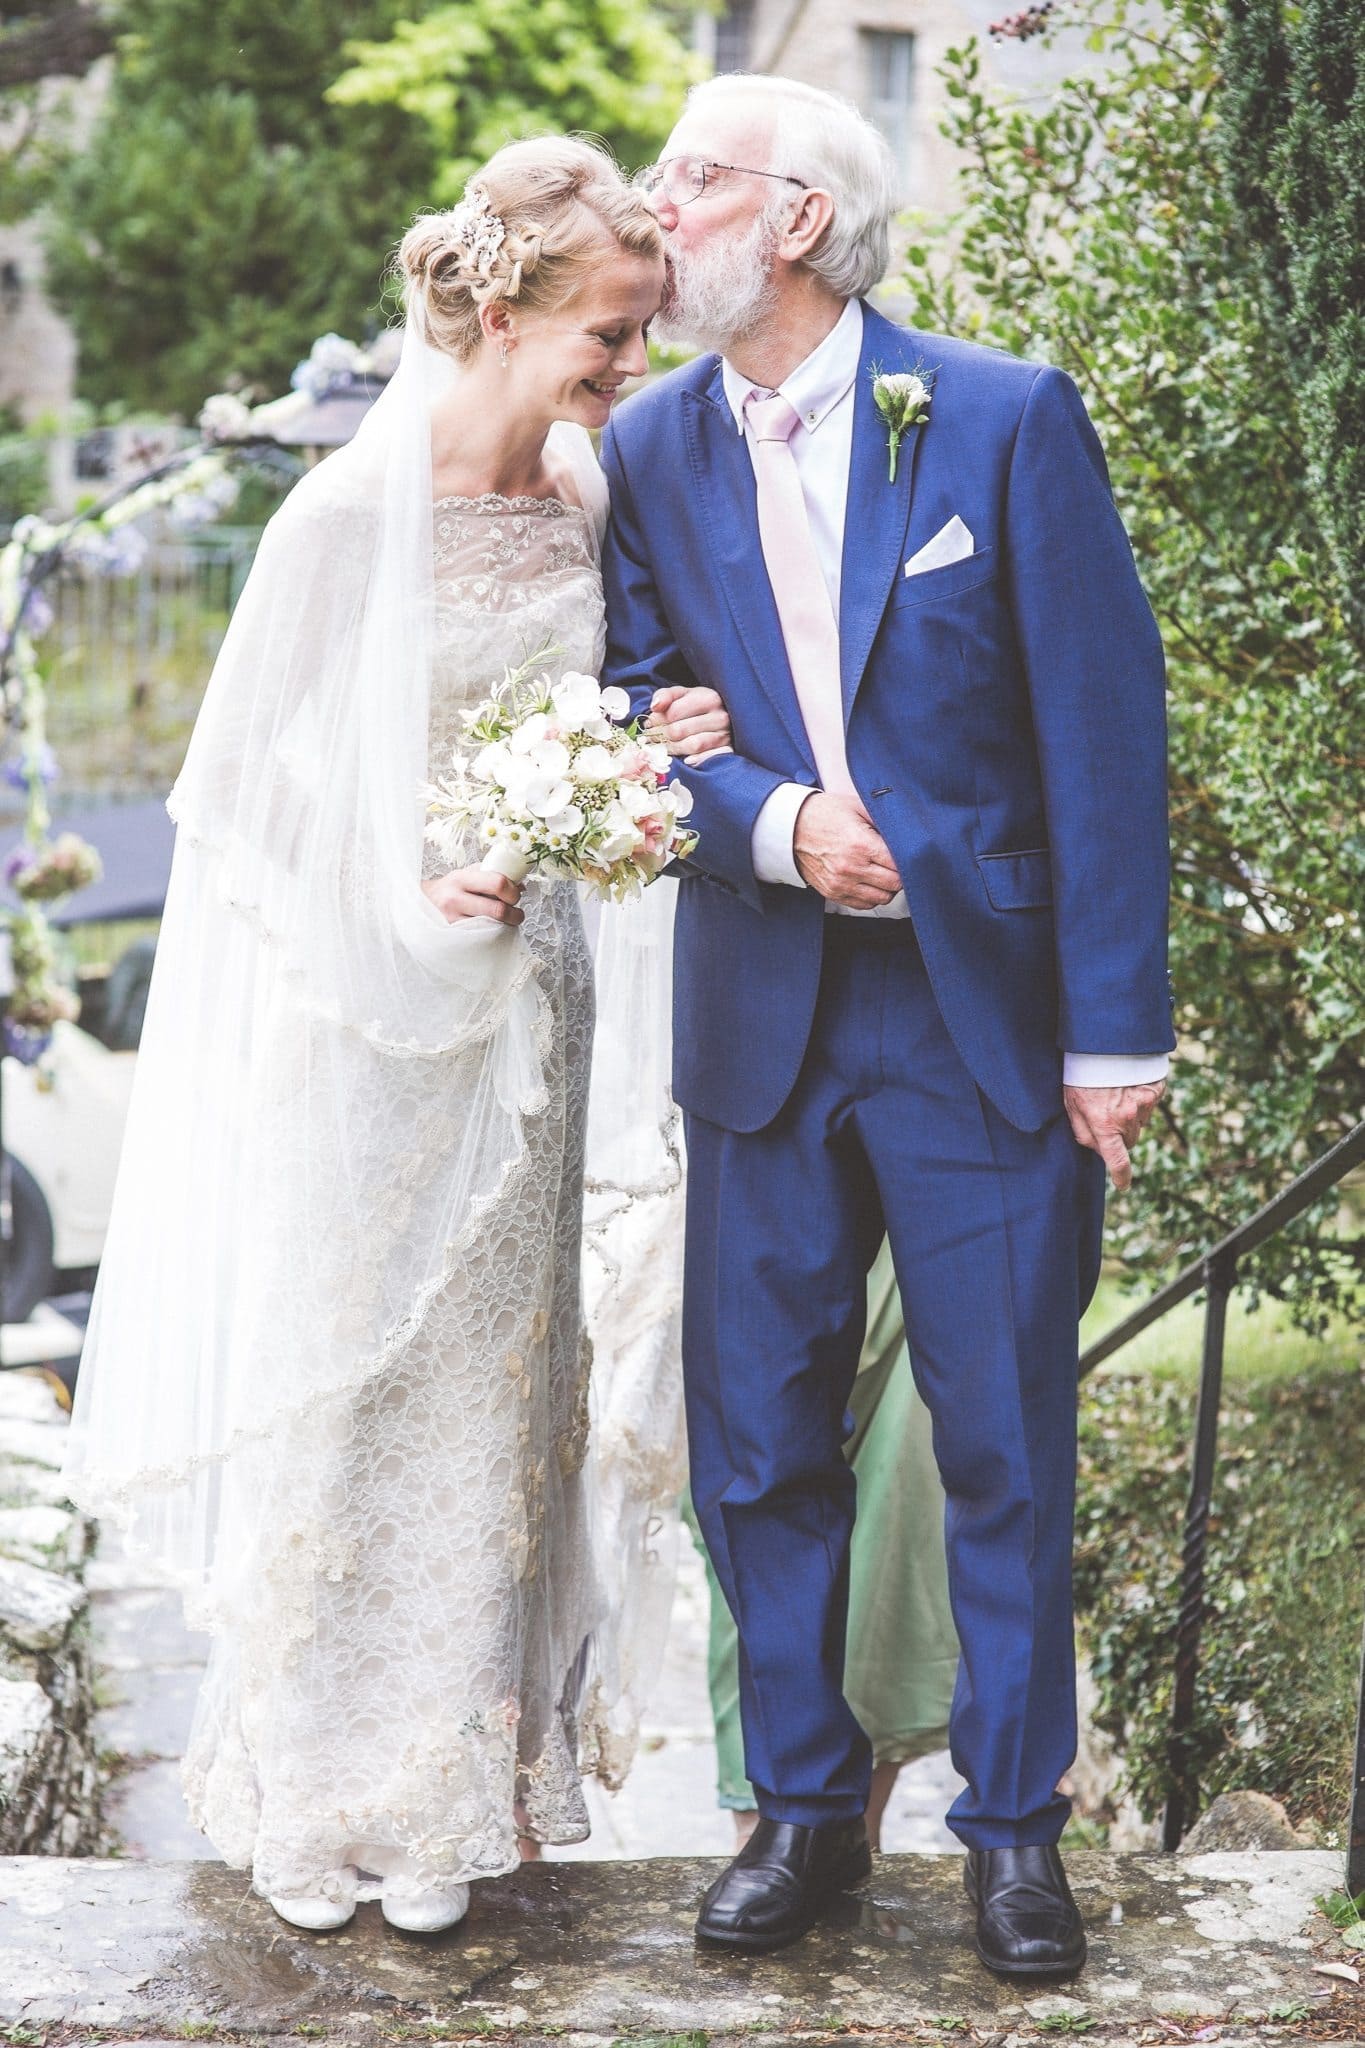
(336, 1378)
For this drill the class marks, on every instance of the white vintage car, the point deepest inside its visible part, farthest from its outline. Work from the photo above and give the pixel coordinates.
(62, 1120)
(63, 1127)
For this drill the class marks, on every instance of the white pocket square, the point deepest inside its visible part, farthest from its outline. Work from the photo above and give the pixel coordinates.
(952, 543)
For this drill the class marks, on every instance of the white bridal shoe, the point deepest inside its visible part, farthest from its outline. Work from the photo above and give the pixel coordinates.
(315, 1914)
(423, 1908)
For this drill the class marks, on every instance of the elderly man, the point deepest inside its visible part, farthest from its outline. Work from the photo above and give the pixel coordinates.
(921, 963)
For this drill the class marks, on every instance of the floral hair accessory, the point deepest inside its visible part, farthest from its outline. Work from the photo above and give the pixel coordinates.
(479, 231)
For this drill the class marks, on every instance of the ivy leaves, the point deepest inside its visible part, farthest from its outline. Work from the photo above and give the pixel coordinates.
(1102, 232)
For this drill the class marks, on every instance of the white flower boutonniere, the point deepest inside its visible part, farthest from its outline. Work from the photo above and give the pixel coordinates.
(902, 398)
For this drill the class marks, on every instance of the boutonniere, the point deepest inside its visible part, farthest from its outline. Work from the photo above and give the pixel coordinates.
(902, 398)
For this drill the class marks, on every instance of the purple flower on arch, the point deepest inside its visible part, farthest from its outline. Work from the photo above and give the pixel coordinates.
(37, 615)
(125, 550)
(23, 1044)
(19, 858)
(40, 762)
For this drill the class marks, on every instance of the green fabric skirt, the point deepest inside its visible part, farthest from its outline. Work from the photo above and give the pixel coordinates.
(902, 1651)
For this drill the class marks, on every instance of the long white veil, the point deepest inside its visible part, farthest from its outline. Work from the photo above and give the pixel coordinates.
(281, 1218)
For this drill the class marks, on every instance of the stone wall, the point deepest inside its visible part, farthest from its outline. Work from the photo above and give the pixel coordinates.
(49, 1777)
(824, 43)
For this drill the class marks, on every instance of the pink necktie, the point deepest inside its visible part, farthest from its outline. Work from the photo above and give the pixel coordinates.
(804, 611)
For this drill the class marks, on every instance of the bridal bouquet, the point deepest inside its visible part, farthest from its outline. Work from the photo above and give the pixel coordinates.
(550, 785)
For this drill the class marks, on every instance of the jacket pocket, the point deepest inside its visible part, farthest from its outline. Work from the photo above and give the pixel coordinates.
(1018, 881)
(949, 581)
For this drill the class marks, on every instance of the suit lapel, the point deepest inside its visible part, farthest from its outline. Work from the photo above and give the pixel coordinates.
(877, 511)
(724, 488)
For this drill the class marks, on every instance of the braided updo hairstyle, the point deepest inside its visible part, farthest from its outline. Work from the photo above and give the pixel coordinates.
(555, 197)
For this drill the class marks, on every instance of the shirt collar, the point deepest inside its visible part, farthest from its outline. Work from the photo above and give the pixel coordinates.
(816, 385)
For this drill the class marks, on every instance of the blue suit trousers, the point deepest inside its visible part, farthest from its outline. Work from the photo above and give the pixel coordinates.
(995, 1234)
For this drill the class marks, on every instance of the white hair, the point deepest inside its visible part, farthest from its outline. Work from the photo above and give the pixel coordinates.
(824, 140)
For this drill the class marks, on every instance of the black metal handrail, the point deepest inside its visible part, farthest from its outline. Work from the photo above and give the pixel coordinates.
(1216, 1273)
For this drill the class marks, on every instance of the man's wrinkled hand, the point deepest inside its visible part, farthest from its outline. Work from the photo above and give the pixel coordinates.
(1111, 1120)
(842, 855)
(691, 723)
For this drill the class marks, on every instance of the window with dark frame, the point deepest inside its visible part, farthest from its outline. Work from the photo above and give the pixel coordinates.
(734, 36)
(889, 75)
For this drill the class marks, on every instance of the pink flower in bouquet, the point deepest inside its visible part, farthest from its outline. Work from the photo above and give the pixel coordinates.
(554, 781)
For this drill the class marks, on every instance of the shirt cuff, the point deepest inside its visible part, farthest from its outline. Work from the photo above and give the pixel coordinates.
(1113, 1069)
(774, 828)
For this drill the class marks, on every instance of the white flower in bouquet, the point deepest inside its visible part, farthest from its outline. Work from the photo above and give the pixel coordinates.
(619, 835)
(595, 764)
(552, 758)
(546, 796)
(551, 780)
(566, 822)
(577, 700)
(639, 802)
(491, 763)
(530, 735)
(447, 836)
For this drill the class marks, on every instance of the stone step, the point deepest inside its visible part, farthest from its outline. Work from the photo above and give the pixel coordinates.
(605, 1951)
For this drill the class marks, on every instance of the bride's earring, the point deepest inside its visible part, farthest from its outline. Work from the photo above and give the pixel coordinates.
(502, 355)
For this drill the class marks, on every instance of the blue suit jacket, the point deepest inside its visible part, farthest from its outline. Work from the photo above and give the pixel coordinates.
(1004, 715)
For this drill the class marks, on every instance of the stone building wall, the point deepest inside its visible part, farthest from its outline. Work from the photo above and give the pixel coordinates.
(37, 347)
(831, 44)
(37, 353)
(49, 1777)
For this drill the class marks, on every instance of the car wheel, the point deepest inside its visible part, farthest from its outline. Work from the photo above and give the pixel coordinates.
(27, 1251)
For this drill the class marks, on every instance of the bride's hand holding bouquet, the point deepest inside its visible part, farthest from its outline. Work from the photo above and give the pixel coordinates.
(549, 783)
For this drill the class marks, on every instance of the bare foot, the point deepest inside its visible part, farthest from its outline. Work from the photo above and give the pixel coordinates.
(527, 1844)
(884, 1778)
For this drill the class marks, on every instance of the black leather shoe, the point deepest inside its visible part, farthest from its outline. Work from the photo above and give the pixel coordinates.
(773, 1891)
(1027, 1924)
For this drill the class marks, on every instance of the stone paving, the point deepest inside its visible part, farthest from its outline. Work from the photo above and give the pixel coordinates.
(149, 1665)
(595, 1944)
(604, 1951)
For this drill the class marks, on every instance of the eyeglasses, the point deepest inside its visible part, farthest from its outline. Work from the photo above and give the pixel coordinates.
(681, 179)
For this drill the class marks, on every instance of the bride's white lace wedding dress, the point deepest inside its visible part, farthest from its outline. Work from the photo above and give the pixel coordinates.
(335, 1382)
(412, 1654)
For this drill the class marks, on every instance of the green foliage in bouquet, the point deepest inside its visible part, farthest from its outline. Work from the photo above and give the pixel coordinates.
(549, 779)
(1103, 232)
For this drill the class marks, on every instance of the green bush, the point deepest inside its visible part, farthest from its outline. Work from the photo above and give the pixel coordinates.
(23, 470)
(222, 212)
(254, 165)
(1277, 1684)
(1101, 231)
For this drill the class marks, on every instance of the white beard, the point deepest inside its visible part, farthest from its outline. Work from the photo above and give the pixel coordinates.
(721, 292)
